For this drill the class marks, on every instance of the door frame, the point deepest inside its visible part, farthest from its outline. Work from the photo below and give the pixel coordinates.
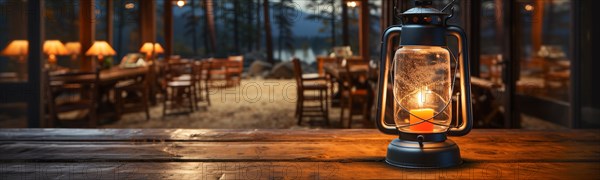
(30, 92)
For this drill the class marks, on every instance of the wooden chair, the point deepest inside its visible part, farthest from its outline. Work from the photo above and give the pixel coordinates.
(133, 95)
(217, 73)
(356, 93)
(179, 87)
(323, 61)
(201, 73)
(235, 67)
(72, 101)
(316, 87)
(487, 108)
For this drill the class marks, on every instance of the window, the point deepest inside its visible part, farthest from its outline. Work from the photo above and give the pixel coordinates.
(544, 43)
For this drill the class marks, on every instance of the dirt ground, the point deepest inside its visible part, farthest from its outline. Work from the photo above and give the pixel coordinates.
(255, 104)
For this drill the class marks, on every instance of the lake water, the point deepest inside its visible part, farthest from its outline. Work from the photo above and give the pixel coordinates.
(307, 55)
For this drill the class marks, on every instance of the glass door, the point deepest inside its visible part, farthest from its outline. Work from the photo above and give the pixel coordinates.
(20, 63)
(488, 82)
(544, 56)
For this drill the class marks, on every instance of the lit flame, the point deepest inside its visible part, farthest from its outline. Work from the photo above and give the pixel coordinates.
(421, 96)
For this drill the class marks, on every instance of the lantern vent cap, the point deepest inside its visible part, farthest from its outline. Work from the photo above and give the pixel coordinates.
(423, 7)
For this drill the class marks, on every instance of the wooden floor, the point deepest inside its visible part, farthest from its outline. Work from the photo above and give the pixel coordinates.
(284, 154)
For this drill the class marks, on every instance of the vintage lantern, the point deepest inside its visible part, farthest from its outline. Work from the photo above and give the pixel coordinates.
(423, 84)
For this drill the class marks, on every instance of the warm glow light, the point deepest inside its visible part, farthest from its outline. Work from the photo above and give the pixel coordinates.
(421, 96)
(74, 48)
(351, 4)
(150, 50)
(419, 114)
(16, 48)
(529, 7)
(181, 3)
(53, 48)
(416, 120)
(100, 49)
(158, 48)
(129, 5)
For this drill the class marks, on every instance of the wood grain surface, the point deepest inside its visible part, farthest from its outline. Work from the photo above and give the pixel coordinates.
(284, 154)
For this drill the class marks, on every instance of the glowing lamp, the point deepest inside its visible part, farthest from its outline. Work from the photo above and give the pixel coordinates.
(351, 4)
(53, 48)
(18, 48)
(423, 90)
(100, 49)
(151, 49)
(180, 3)
(74, 49)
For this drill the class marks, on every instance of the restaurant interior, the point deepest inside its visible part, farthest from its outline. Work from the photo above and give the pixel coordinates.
(78, 69)
(522, 64)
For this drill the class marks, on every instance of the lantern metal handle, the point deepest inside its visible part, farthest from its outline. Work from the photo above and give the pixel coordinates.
(465, 83)
(384, 64)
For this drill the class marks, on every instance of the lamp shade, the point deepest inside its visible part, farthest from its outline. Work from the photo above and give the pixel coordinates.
(158, 49)
(73, 47)
(55, 47)
(100, 48)
(149, 49)
(16, 48)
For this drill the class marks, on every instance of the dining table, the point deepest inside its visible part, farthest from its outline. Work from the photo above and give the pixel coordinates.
(286, 154)
(338, 73)
(108, 76)
(108, 80)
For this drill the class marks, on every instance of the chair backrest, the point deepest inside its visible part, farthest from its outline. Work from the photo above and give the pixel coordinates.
(216, 69)
(200, 69)
(234, 66)
(238, 62)
(297, 72)
(236, 58)
(217, 64)
(77, 87)
(357, 73)
(175, 69)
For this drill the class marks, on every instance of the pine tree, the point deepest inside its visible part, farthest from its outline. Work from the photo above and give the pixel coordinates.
(269, 38)
(283, 15)
(324, 11)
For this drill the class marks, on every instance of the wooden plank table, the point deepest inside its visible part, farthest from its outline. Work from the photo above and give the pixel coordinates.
(109, 76)
(284, 154)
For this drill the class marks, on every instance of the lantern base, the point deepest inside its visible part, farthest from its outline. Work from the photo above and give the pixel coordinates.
(412, 154)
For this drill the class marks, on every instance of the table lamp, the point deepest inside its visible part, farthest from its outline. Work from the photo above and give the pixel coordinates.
(74, 49)
(53, 48)
(17, 48)
(423, 90)
(151, 50)
(100, 49)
